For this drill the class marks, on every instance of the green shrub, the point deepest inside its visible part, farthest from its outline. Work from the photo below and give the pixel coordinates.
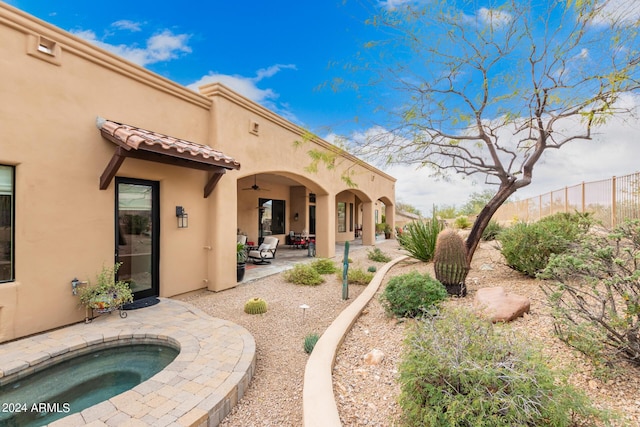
(324, 266)
(310, 342)
(420, 238)
(411, 295)
(303, 274)
(593, 291)
(492, 231)
(357, 276)
(372, 269)
(462, 222)
(458, 370)
(527, 247)
(377, 255)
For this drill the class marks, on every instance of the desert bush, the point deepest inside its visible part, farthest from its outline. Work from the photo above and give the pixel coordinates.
(411, 295)
(527, 247)
(324, 266)
(310, 341)
(377, 255)
(462, 222)
(357, 276)
(594, 290)
(303, 274)
(492, 231)
(420, 238)
(372, 269)
(458, 370)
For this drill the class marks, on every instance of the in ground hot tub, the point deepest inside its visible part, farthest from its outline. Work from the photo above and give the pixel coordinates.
(80, 381)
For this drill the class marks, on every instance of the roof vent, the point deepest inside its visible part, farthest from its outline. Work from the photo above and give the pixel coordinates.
(254, 127)
(43, 48)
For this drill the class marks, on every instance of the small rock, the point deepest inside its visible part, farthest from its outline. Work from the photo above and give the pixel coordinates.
(486, 267)
(374, 357)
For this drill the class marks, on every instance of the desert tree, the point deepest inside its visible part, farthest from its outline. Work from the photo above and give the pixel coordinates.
(484, 89)
(407, 207)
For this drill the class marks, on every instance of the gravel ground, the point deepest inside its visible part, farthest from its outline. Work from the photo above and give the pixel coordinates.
(367, 395)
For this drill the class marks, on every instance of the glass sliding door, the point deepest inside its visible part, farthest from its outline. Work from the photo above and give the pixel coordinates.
(137, 235)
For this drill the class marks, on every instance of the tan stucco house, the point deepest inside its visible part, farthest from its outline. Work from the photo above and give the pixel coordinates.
(102, 161)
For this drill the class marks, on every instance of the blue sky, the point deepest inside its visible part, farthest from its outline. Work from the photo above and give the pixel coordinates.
(283, 55)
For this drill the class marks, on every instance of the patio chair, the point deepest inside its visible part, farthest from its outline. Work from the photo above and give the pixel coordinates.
(265, 252)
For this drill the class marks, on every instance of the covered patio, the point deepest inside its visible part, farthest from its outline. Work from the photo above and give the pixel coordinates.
(287, 257)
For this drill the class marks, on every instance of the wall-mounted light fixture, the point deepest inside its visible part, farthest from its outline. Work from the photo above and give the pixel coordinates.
(295, 217)
(183, 217)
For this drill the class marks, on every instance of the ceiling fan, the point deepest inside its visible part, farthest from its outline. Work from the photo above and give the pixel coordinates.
(255, 186)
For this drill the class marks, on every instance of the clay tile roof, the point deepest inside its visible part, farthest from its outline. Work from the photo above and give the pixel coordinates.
(131, 137)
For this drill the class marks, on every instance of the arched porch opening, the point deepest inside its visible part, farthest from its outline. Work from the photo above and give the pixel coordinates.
(284, 204)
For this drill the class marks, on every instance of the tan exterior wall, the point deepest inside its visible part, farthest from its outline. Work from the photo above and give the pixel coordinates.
(64, 225)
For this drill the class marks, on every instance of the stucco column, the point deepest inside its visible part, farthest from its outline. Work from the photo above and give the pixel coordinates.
(221, 236)
(325, 226)
(368, 224)
(390, 217)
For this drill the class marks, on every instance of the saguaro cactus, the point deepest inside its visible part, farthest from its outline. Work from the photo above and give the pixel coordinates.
(450, 262)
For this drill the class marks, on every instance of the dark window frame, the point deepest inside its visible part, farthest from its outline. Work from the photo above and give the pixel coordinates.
(278, 210)
(10, 219)
(342, 217)
(350, 216)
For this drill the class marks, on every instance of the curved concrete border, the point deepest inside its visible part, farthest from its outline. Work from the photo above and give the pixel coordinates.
(318, 403)
(208, 377)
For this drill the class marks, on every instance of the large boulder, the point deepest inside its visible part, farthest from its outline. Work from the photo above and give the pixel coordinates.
(500, 306)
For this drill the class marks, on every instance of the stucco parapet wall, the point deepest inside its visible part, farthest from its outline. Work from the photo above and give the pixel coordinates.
(217, 89)
(209, 376)
(29, 25)
(318, 402)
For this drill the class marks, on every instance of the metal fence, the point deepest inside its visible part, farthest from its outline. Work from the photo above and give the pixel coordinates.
(611, 201)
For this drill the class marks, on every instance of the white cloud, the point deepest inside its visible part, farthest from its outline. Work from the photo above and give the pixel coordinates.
(248, 86)
(393, 4)
(625, 11)
(160, 47)
(418, 188)
(243, 85)
(271, 71)
(125, 24)
(494, 17)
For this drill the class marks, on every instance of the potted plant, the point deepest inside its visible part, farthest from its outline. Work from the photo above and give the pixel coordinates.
(241, 258)
(387, 231)
(106, 294)
(380, 228)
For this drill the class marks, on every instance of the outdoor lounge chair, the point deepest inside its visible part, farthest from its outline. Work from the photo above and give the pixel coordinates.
(265, 252)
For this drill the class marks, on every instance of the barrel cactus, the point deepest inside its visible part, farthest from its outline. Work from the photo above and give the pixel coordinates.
(450, 262)
(255, 306)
